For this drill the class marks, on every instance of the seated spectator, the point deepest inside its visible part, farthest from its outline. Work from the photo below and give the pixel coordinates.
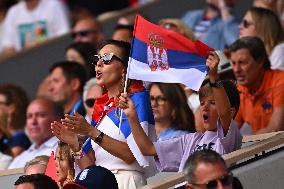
(93, 177)
(261, 89)
(36, 165)
(173, 117)
(35, 181)
(91, 92)
(4, 7)
(207, 169)
(255, 24)
(40, 113)
(178, 26)
(29, 23)
(14, 102)
(123, 33)
(88, 30)
(67, 80)
(64, 164)
(83, 54)
(214, 22)
(222, 134)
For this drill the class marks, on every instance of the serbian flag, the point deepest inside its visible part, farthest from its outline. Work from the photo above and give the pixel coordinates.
(162, 55)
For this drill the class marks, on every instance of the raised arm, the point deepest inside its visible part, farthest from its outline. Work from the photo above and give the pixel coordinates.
(221, 99)
(79, 125)
(142, 140)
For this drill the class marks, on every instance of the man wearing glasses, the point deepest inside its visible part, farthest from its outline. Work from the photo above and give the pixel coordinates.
(88, 30)
(206, 169)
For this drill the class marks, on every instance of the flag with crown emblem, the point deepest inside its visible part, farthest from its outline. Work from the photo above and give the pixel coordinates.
(162, 55)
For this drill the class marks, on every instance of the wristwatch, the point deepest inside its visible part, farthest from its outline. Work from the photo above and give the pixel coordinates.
(217, 83)
(99, 138)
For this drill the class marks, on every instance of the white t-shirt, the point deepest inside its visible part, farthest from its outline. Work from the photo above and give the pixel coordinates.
(23, 28)
(32, 152)
(173, 153)
(277, 57)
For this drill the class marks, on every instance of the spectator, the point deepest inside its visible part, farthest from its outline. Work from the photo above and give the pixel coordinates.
(93, 177)
(255, 23)
(40, 113)
(88, 30)
(207, 169)
(214, 22)
(14, 102)
(4, 7)
(66, 86)
(35, 181)
(36, 165)
(114, 148)
(222, 134)
(172, 114)
(92, 91)
(64, 164)
(4, 133)
(178, 26)
(123, 33)
(82, 53)
(31, 22)
(261, 89)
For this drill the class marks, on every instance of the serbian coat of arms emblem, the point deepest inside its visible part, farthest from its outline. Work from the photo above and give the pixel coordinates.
(157, 57)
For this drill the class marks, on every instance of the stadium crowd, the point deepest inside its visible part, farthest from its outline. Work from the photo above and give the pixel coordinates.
(108, 131)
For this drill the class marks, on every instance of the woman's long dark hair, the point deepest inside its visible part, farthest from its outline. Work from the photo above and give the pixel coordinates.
(182, 117)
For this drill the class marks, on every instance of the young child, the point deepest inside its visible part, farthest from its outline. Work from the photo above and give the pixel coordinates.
(219, 103)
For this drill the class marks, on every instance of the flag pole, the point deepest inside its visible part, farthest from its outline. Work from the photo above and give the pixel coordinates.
(128, 69)
(124, 91)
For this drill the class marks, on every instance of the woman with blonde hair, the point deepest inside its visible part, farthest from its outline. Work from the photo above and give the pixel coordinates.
(178, 26)
(266, 25)
(64, 164)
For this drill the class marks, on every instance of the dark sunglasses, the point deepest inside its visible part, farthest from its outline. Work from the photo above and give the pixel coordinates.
(246, 23)
(82, 33)
(90, 102)
(225, 180)
(106, 58)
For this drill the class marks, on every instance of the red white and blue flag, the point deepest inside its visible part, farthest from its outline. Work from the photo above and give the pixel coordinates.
(162, 55)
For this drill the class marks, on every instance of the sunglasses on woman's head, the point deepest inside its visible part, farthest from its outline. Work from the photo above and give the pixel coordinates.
(106, 58)
(246, 23)
(90, 102)
(225, 180)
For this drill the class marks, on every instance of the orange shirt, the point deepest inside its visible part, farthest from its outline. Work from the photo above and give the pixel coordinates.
(256, 109)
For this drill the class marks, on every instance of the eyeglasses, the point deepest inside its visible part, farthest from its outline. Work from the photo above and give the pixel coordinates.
(158, 99)
(90, 102)
(106, 58)
(82, 33)
(246, 23)
(225, 180)
(169, 25)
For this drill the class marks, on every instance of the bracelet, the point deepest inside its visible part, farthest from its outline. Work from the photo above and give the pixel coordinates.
(78, 155)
